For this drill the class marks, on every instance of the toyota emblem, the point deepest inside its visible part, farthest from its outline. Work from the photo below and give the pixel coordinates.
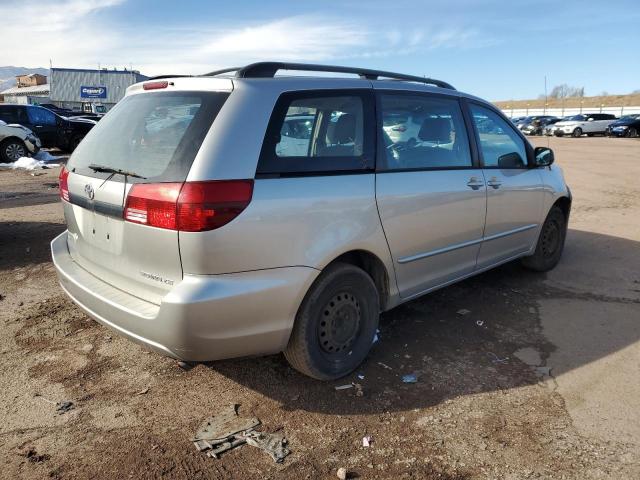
(88, 189)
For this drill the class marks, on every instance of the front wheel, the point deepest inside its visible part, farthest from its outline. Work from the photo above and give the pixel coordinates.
(550, 242)
(336, 323)
(12, 150)
(632, 132)
(577, 132)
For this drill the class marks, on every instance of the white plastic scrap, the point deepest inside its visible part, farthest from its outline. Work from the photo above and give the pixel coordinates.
(366, 441)
(410, 378)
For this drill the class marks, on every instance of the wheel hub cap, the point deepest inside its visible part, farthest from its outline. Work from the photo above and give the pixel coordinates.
(339, 323)
(14, 152)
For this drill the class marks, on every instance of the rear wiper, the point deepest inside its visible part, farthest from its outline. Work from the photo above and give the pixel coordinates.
(113, 171)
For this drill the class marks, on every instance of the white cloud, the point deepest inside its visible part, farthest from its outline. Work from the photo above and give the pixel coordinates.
(75, 33)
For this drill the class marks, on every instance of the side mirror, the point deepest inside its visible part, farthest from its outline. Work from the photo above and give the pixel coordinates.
(590, 119)
(510, 160)
(544, 156)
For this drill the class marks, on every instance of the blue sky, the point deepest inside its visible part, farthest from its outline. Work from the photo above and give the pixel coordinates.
(499, 50)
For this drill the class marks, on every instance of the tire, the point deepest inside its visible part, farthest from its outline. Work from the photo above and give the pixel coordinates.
(12, 149)
(632, 132)
(550, 242)
(336, 323)
(577, 132)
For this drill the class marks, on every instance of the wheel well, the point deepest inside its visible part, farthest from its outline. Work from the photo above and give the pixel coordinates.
(565, 205)
(371, 264)
(8, 139)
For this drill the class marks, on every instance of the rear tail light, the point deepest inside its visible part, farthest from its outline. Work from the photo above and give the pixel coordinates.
(189, 207)
(63, 180)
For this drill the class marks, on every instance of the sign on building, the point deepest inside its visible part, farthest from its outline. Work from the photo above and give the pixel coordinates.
(93, 92)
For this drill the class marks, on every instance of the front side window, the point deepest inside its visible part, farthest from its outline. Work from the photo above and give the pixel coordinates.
(499, 143)
(41, 116)
(423, 132)
(318, 132)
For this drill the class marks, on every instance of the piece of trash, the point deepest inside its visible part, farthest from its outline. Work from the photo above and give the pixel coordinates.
(64, 407)
(410, 378)
(228, 430)
(361, 376)
(385, 366)
(273, 443)
(497, 359)
(342, 473)
(344, 387)
(366, 441)
(143, 392)
(376, 337)
(479, 322)
(359, 392)
(463, 311)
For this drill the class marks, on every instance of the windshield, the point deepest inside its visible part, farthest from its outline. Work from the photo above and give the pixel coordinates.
(629, 118)
(101, 109)
(155, 135)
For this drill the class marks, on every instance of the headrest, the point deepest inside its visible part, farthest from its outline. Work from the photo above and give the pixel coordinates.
(435, 130)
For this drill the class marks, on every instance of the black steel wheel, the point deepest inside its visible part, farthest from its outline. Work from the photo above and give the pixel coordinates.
(550, 242)
(336, 323)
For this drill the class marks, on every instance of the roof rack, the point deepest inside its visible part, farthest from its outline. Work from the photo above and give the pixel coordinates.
(160, 77)
(269, 69)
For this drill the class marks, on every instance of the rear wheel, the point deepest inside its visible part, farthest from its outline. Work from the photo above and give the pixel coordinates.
(12, 149)
(550, 242)
(336, 323)
(577, 132)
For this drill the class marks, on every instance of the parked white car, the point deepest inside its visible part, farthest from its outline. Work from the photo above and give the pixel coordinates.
(589, 123)
(16, 141)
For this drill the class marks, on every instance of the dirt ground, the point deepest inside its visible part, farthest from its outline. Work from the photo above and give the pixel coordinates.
(538, 380)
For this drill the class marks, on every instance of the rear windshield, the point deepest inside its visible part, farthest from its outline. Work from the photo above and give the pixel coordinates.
(154, 135)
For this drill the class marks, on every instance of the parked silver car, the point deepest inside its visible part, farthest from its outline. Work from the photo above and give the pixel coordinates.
(191, 231)
(16, 141)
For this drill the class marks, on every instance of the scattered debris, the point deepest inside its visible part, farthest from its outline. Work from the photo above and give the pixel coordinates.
(410, 378)
(366, 441)
(463, 311)
(342, 473)
(360, 376)
(64, 406)
(143, 391)
(344, 387)
(479, 323)
(359, 391)
(273, 443)
(228, 430)
(385, 366)
(376, 337)
(33, 456)
(497, 359)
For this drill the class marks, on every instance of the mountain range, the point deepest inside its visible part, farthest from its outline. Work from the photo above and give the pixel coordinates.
(8, 75)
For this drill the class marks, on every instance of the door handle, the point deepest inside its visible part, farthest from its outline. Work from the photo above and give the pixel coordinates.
(494, 182)
(474, 183)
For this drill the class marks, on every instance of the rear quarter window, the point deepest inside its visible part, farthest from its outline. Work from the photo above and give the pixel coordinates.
(319, 132)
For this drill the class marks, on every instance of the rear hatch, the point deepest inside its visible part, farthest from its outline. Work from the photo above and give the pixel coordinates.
(138, 157)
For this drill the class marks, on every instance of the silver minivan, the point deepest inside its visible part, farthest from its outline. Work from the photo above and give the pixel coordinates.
(245, 213)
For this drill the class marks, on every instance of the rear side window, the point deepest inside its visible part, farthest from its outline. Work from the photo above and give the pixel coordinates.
(500, 145)
(41, 116)
(318, 132)
(422, 132)
(13, 114)
(154, 135)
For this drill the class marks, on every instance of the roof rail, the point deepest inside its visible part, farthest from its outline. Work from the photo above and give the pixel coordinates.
(269, 69)
(160, 77)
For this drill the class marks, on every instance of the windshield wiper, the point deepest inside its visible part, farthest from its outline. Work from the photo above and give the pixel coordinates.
(114, 171)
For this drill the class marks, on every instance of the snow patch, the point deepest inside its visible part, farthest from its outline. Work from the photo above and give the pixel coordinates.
(41, 160)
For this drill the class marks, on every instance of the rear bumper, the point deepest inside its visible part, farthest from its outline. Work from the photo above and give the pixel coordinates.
(204, 317)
